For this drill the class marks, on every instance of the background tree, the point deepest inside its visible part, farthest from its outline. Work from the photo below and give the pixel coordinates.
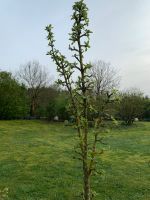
(47, 95)
(105, 77)
(131, 106)
(13, 99)
(78, 90)
(106, 83)
(61, 103)
(34, 76)
(146, 112)
(52, 101)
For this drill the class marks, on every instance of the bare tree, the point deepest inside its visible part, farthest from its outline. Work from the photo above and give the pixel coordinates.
(106, 80)
(104, 76)
(34, 77)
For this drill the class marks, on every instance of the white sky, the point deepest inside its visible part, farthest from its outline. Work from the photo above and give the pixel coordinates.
(121, 35)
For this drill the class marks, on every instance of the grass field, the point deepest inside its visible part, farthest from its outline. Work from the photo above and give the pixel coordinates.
(36, 162)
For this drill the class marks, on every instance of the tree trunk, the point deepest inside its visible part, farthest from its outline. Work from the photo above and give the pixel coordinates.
(32, 109)
(87, 190)
(86, 174)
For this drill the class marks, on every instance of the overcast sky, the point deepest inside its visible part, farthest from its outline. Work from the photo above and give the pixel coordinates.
(121, 35)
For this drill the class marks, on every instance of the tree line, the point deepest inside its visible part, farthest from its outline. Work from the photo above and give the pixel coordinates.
(29, 94)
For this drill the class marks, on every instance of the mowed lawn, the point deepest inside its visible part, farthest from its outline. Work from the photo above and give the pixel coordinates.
(36, 162)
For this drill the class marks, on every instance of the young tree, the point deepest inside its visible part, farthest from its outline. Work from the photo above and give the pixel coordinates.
(34, 77)
(79, 89)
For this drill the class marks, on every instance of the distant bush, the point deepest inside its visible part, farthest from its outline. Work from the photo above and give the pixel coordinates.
(58, 106)
(131, 106)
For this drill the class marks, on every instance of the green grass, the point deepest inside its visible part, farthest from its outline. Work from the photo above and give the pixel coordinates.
(36, 162)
